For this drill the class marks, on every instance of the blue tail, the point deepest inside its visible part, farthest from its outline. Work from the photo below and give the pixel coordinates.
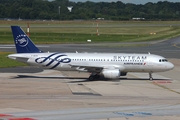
(23, 42)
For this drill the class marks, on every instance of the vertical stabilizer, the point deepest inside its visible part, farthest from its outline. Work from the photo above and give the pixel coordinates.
(22, 42)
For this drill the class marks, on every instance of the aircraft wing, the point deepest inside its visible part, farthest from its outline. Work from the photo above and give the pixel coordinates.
(96, 68)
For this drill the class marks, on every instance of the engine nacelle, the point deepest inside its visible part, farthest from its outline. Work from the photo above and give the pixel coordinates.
(111, 74)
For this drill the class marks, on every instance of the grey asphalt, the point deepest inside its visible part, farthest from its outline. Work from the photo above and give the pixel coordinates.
(101, 113)
(27, 69)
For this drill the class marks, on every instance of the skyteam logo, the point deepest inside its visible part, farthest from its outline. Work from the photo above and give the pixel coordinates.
(53, 60)
(22, 40)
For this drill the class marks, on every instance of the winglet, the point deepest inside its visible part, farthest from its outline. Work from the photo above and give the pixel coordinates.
(22, 42)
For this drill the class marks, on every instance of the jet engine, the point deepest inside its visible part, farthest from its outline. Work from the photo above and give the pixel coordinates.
(111, 74)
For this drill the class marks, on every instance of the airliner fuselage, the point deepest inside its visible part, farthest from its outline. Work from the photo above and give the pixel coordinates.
(80, 61)
(110, 65)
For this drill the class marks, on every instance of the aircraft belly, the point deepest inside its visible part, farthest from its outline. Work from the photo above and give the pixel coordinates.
(60, 66)
(137, 68)
(65, 69)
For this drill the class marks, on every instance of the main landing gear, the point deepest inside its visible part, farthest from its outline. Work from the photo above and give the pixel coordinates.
(150, 76)
(94, 76)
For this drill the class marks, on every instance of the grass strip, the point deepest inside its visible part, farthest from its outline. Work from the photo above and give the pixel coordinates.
(6, 62)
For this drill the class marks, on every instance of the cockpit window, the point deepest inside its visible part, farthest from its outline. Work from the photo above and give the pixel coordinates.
(163, 60)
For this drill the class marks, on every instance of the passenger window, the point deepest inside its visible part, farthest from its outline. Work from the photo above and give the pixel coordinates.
(160, 60)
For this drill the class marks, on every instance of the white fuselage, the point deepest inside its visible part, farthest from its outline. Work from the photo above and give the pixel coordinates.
(79, 61)
(109, 65)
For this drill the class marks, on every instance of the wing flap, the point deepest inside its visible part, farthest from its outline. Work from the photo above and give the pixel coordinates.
(95, 68)
(89, 68)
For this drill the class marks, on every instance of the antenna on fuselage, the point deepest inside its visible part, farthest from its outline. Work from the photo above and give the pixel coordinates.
(149, 53)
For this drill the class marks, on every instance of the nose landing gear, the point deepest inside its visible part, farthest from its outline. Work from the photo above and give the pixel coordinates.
(150, 76)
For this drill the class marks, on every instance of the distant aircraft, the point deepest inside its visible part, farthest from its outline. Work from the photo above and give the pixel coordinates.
(109, 65)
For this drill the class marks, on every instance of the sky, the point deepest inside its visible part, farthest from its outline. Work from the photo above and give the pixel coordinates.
(126, 1)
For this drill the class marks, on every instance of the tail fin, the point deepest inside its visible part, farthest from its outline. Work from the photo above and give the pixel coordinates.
(22, 41)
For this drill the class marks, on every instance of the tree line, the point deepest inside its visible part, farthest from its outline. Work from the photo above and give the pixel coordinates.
(57, 10)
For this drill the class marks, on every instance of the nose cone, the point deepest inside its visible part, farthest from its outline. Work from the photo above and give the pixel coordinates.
(169, 66)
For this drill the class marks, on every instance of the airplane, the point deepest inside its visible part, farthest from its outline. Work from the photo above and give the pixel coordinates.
(108, 65)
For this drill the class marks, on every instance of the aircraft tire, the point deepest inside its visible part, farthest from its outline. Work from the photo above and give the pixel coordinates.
(91, 78)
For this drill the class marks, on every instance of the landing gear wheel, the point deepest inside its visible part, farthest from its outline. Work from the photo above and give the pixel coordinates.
(150, 77)
(94, 76)
(91, 77)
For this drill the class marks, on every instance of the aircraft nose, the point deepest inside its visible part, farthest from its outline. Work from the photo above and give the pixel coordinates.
(170, 66)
